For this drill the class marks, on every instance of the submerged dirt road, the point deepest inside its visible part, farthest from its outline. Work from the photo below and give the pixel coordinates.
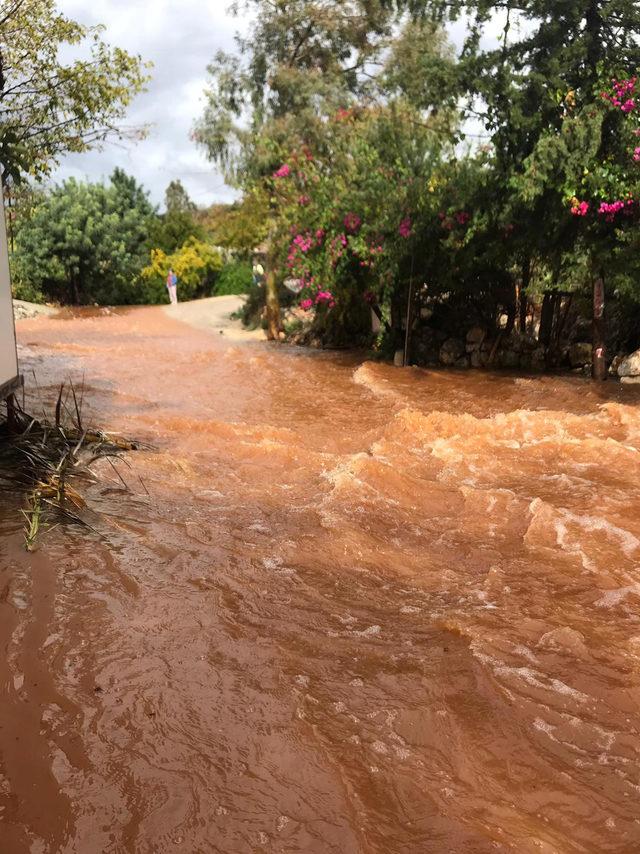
(359, 610)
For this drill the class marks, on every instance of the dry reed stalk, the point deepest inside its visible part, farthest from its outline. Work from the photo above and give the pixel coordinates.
(43, 459)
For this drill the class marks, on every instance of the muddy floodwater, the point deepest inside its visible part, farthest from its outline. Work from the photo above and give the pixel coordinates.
(342, 608)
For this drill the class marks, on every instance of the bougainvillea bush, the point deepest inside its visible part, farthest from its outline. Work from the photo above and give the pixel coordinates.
(350, 212)
(587, 174)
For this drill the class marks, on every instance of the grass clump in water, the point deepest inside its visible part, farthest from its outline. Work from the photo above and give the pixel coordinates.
(48, 460)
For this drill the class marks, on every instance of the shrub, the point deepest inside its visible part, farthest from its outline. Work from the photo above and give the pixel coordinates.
(196, 264)
(235, 278)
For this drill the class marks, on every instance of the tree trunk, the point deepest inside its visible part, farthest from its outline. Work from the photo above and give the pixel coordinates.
(274, 326)
(523, 296)
(546, 319)
(408, 330)
(599, 332)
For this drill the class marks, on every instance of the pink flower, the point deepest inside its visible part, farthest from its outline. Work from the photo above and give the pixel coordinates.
(462, 217)
(303, 201)
(320, 235)
(324, 296)
(580, 209)
(405, 228)
(352, 223)
(303, 242)
(620, 97)
(636, 154)
(610, 209)
(283, 172)
(306, 304)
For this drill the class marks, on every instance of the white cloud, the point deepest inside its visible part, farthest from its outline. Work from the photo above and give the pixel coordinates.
(180, 39)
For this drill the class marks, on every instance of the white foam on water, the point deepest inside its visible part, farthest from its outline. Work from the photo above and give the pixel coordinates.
(611, 598)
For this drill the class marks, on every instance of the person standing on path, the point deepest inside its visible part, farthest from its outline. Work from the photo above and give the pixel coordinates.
(172, 286)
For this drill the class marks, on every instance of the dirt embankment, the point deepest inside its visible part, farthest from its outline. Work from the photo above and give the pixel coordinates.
(26, 310)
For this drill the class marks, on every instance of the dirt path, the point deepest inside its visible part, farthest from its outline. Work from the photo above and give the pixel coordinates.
(214, 315)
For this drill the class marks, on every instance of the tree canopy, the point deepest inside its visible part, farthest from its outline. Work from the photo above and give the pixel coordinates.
(85, 243)
(50, 105)
(349, 118)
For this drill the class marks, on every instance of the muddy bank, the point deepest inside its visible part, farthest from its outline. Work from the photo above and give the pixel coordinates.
(27, 310)
(343, 608)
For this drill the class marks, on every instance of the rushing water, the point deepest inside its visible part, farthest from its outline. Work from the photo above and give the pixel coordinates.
(343, 608)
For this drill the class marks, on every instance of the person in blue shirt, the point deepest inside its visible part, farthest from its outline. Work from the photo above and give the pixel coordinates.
(172, 286)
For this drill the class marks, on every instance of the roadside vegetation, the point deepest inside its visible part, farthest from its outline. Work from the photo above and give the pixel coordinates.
(490, 188)
(470, 201)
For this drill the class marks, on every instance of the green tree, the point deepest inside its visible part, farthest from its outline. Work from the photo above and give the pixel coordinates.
(300, 61)
(85, 243)
(303, 63)
(547, 61)
(177, 200)
(240, 227)
(49, 106)
(172, 229)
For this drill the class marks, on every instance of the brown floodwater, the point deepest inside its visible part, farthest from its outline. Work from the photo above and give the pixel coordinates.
(342, 608)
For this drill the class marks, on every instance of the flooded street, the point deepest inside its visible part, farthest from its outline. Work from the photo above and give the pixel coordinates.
(343, 608)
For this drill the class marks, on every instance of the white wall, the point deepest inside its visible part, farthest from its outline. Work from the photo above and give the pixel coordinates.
(8, 358)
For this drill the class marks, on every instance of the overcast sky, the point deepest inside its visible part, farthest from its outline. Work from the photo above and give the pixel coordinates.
(180, 38)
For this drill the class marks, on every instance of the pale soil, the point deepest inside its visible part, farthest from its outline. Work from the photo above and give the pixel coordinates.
(214, 315)
(25, 310)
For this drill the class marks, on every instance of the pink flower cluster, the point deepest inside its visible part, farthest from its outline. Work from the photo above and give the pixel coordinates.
(352, 223)
(621, 95)
(304, 242)
(321, 298)
(580, 209)
(636, 154)
(405, 228)
(301, 244)
(283, 172)
(337, 247)
(610, 209)
(325, 296)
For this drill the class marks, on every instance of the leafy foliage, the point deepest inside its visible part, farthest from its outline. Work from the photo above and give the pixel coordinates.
(235, 278)
(196, 264)
(85, 243)
(50, 106)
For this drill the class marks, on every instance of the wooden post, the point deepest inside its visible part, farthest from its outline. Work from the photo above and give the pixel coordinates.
(407, 337)
(523, 294)
(599, 332)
